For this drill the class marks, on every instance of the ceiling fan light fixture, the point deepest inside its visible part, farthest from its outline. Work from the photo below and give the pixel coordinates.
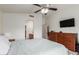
(44, 10)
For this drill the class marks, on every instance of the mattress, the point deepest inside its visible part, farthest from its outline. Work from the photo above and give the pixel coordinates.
(37, 47)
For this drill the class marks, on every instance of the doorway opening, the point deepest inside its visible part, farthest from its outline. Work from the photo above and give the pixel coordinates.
(29, 29)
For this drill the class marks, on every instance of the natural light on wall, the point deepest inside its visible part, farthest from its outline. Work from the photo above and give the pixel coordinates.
(30, 26)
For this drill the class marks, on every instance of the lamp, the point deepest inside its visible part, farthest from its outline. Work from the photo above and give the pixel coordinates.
(44, 10)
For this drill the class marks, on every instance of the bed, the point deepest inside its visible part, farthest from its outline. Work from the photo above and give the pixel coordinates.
(37, 47)
(31, 47)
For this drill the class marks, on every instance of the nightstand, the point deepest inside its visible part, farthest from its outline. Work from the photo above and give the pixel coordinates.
(30, 36)
(11, 40)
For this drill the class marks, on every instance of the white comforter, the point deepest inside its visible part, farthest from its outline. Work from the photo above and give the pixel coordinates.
(37, 47)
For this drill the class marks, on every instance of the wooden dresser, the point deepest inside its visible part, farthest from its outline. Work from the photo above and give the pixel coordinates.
(69, 40)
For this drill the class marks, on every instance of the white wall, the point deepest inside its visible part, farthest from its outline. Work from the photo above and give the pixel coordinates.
(1, 22)
(64, 12)
(38, 26)
(14, 24)
(44, 26)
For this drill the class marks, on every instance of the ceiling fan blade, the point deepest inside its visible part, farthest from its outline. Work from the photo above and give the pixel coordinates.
(37, 5)
(37, 11)
(52, 9)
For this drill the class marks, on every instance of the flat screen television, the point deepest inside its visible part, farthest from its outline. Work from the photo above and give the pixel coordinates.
(67, 23)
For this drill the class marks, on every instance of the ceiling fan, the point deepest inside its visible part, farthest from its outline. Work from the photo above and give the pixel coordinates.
(44, 9)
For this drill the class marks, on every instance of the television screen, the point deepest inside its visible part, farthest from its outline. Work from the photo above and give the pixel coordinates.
(67, 23)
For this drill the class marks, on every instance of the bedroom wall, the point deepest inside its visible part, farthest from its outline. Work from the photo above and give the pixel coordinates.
(1, 22)
(38, 26)
(44, 26)
(14, 24)
(64, 12)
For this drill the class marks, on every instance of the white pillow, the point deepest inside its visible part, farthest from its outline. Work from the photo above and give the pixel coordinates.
(5, 39)
(4, 45)
(3, 48)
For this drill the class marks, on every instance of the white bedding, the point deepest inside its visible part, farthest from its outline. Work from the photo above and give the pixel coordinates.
(4, 45)
(37, 47)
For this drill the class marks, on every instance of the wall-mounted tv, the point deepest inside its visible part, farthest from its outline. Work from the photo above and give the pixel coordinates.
(67, 23)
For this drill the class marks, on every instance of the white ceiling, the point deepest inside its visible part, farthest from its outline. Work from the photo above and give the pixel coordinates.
(18, 8)
(30, 8)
